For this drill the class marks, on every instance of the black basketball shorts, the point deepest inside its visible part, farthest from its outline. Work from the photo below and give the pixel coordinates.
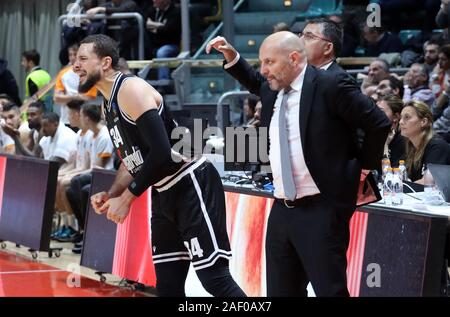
(188, 217)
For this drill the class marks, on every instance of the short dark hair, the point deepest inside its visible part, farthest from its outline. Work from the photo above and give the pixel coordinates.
(51, 117)
(385, 63)
(331, 31)
(11, 106)
(32, 55)
(396, 84)
(75, 104)
(394, 102)
(38, 104)
(7, 97)
(92, 111)
(104, 46)
(445, 49)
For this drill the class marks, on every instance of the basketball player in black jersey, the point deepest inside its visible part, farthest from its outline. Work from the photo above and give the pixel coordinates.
(188, 204)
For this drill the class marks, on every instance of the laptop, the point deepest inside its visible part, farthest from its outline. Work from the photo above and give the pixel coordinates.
(441, 175)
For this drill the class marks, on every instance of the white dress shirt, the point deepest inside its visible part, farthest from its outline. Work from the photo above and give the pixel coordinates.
(304, 183)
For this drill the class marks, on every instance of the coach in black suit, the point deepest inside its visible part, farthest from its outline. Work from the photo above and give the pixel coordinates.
(319, 114)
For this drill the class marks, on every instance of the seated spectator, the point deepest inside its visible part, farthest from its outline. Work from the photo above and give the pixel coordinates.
(280, 26)
(422, 147)
(351, 35)
(416, 85)
(76, 166)
(36, 76)
(123, 66)
(249, 109)
(441, 73)
(66, 87)
(256, 120)
(163, 23)
(442, 20)
(378, 70)
(127, 34)
(5, 100)
(394, 148)
(101, 156)
(390, 86)
(431, 55)
(442, 125)
(441, 113)
(59, 142)
(8, 84)
(74, 34)
(30, 145)
(11, 115)
(6, 142)
(378, 41)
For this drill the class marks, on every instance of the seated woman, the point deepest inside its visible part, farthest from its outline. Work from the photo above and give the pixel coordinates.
(422, 147)
(394, 148)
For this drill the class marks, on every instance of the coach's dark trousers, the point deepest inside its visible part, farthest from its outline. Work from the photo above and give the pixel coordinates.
(307, 243)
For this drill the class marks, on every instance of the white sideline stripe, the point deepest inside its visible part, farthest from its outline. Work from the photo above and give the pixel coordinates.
(218, 251)
(205, 213)
(196, 268)
(172, 259)
(180, 176)
(27, 272)
(164, 255)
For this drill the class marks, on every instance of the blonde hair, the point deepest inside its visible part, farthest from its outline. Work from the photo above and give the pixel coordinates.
(414, 155)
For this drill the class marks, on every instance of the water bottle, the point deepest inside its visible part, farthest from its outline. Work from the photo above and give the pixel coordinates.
(432, 195)
(403, 172)
(397, 188)
(385, 164)
(387, 187)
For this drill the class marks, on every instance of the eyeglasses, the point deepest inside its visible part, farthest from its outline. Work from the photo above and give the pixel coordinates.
(310, 36)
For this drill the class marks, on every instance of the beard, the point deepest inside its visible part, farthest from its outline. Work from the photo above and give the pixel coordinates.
(34, 125)
(91, 80)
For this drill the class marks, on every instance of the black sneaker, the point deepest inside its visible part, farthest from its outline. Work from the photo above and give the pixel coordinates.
(78, 247)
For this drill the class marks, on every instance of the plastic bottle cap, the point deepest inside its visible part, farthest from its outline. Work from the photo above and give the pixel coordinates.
(396, 169)
(401, 162)
(389, 169)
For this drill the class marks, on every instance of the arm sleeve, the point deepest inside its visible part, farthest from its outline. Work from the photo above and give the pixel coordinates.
(151, 125)
(246, 75)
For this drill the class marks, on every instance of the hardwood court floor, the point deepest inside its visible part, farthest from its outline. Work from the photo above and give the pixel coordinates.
(22, 276)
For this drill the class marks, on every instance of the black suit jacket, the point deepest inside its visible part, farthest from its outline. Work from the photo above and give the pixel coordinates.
(331, 109)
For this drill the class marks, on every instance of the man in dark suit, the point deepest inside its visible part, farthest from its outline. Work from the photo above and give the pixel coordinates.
(312, 116)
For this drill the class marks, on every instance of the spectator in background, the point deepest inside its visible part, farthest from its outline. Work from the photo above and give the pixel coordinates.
(163, 23)
(4, 100)
(441, 72)
(74, 34)
(280, 26)
(390, 86)
(66, 87)
(431, 55)
(127, 34)
(100, 153)
(378, 70)
(394, 148)
(59, 142)
(30, 145)
(36, 76)
(123, 66)
(350, 38)
(11, 115)
(379, 41)
(8, 84)
(416, 85)
(249, 109)
(422, 147)
(442, 20)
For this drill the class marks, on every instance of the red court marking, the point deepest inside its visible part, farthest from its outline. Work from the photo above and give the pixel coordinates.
(20, 277)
